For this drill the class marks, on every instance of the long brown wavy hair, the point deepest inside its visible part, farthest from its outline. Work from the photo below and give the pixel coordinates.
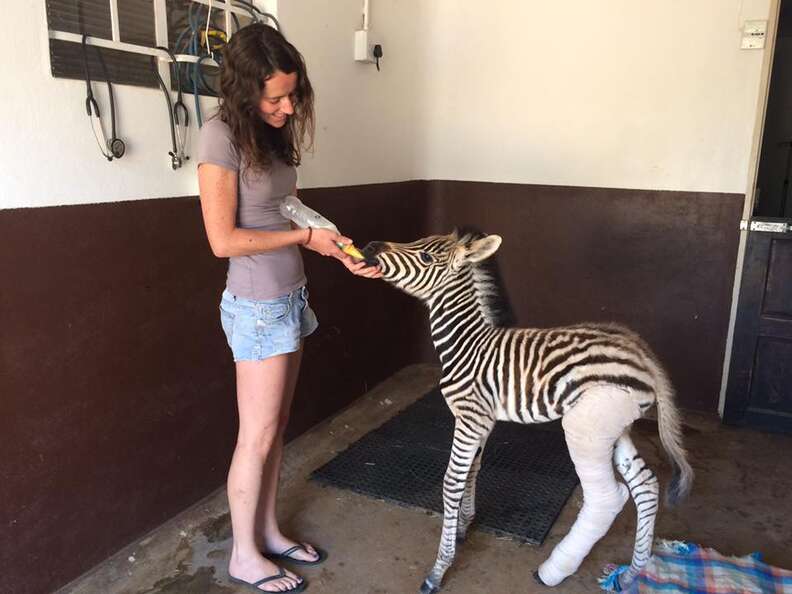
(251, 57)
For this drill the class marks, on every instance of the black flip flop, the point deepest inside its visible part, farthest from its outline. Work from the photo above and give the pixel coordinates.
(287, 555)
(302, 585)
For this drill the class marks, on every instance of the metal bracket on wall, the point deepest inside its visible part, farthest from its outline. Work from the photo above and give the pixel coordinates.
(765, 226)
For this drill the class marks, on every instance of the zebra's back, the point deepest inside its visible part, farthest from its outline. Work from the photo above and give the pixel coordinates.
(535, 375)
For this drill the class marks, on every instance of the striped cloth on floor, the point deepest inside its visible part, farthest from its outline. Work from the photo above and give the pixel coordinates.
(679, 567)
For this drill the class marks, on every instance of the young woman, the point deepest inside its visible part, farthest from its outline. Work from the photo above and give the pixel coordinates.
(247, 158)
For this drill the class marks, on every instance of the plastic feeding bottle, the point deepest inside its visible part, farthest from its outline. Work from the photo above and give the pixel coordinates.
(293, 209)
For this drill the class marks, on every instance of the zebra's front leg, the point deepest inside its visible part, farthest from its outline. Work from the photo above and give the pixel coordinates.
(468, 437)
(645, 491)
(467, 509)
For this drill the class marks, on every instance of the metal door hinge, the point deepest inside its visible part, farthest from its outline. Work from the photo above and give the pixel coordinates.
(766, 226)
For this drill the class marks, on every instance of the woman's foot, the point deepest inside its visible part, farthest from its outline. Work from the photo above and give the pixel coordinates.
(297, 551)
(256, 567)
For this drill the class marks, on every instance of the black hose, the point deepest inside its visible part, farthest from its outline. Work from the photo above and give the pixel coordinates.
(168, 101)
(110, 91)
(201, 78)
(175, 65)
(251, 8)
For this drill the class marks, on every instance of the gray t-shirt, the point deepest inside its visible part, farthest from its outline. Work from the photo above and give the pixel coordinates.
(265, 275)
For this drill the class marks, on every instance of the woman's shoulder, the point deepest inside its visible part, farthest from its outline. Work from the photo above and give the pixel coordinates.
(216, 144)
(216, 127)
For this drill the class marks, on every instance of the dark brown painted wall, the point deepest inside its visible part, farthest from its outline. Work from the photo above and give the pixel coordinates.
(116, 387)
(367, 330)
(660, 262)
(117, 405)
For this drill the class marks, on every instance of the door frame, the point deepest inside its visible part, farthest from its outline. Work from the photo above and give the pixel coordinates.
(750, 190)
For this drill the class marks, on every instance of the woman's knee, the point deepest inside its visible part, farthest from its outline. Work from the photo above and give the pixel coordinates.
(258, 441)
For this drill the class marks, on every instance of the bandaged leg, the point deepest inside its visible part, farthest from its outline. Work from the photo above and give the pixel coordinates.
(591, 429)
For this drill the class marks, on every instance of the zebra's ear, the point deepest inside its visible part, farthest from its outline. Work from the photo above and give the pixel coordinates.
(483, 248)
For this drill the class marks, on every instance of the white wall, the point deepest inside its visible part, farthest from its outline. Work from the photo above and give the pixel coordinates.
(651, 94)
(49, 156)
(370, 125)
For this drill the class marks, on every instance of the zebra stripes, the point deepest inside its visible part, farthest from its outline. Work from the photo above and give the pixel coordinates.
(644, 491)
(491, 372)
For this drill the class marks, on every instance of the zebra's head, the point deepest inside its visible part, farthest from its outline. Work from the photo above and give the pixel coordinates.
(424, 267)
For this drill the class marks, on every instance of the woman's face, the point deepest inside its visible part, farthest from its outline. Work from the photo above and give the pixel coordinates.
(276, 103)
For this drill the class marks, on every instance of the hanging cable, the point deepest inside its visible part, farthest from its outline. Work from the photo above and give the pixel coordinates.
(202, 48)
(199, 77)
(196, 94)
(202, 39)
(252, 8)
(207, 87)
(206, 33)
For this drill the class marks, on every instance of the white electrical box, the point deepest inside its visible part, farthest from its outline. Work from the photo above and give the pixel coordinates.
(364, 49)
(753, 34)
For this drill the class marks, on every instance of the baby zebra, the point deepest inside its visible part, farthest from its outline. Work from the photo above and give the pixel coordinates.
(599, 378)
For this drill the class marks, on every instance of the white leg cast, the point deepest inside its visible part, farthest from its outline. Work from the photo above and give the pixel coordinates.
(591, 429)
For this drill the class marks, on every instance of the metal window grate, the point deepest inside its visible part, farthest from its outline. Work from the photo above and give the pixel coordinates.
(136, 25)
(64, 15)
(122, 67)
(128, 30)
(136, 22)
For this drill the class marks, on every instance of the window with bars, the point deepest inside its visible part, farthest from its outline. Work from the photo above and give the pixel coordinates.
(126, 33)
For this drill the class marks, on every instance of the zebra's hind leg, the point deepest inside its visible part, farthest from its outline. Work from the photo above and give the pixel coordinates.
(468, 437)
(467, 508)
(591, 429)
(645, 493)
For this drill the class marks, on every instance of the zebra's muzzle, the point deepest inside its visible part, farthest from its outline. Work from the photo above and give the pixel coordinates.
(371, 251)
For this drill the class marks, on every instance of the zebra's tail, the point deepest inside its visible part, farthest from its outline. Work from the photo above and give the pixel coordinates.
(670, 430)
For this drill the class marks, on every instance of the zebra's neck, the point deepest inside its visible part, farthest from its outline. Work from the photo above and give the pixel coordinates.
(457, 319)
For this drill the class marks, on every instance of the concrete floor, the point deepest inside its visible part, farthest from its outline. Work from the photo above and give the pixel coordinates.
(740, 503)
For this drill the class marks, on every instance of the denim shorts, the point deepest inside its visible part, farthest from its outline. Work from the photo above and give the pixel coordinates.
(256, 330)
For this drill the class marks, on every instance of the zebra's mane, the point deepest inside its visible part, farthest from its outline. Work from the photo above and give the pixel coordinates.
(490, 288)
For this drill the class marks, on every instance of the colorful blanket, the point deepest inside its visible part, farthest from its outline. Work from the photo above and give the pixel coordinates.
(679, 567)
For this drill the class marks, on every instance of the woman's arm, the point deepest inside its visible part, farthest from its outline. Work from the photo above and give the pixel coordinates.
(359, 268)
(218, 187)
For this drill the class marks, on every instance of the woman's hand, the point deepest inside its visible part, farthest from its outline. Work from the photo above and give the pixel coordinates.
(360, 268)
(324, 241)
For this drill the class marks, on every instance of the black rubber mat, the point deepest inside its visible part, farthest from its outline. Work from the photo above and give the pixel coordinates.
(526, 475)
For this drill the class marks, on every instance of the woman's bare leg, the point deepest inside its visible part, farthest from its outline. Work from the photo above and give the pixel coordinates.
(267, 527)
(262, 389)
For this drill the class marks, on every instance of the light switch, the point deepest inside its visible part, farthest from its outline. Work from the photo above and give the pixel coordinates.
(753, 34)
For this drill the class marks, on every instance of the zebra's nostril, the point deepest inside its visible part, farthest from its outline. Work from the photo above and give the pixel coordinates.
(373, 248)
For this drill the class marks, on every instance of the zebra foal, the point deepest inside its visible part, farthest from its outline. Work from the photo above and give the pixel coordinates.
(598, 378)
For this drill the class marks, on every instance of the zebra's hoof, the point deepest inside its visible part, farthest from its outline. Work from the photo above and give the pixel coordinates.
(428, 588)
(538, 579)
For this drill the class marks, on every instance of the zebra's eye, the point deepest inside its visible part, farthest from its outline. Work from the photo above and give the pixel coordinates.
(425, 258)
